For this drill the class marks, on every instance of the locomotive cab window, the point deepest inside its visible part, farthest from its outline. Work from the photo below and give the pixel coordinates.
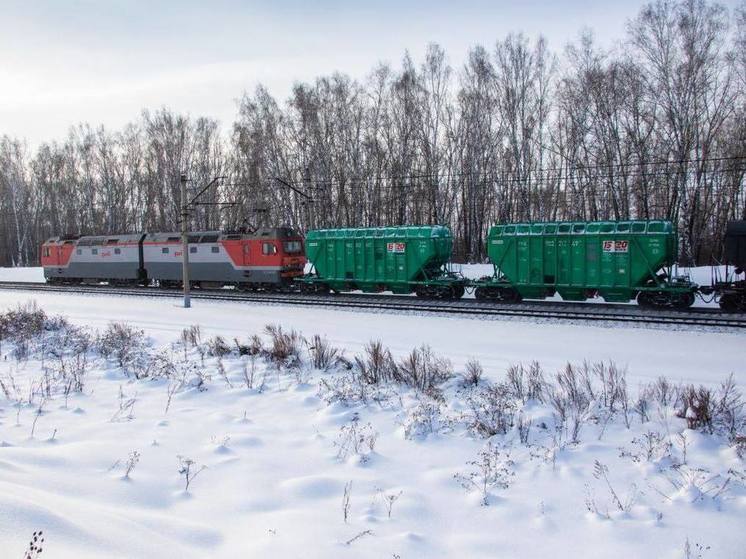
(215, 249)
(164, 250)
(117, 251)
(192, 250)
(94, 251)
(47, 252)
(269, 248)
(292, 247)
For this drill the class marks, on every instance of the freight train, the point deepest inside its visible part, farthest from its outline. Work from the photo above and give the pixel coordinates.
(618, 261)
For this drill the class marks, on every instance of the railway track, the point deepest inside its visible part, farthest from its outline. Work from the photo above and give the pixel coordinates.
(542, 310)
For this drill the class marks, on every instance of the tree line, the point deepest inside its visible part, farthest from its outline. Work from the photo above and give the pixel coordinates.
(654, 127)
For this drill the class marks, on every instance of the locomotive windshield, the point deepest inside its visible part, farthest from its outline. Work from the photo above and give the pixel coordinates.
(292, 247)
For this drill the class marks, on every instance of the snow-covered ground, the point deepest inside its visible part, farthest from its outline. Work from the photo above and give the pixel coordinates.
(35, 274)
(279, 460)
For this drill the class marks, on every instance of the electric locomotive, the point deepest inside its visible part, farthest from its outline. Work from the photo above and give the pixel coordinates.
(266, 259)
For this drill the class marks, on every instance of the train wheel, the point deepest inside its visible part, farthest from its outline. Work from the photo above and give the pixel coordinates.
(423, 292)
(314, 288)
(497, 294)
(510, 295)
(443, 292)
(729, 303)
(683, 301)
(458, 291)
(645, 300)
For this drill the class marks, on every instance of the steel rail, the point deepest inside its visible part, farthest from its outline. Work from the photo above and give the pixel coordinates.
(710, 318)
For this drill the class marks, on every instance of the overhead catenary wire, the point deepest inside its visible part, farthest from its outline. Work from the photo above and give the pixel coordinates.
(541, 171)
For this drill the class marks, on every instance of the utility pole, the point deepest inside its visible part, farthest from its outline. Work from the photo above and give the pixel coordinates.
(185, 242)
(186, 207)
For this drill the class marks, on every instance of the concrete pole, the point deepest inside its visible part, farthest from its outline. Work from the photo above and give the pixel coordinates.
(185, 242)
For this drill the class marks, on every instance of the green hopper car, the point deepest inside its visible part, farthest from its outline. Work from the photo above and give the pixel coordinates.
(396, 259)
(617, 260)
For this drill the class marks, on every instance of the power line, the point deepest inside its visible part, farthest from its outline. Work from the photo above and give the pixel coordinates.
(537, 180)
(563, 169)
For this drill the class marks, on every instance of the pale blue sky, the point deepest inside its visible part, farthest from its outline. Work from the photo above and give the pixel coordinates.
(66, 61)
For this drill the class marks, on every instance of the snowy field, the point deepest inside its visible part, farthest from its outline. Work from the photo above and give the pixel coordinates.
(35, 274)
(406, 460)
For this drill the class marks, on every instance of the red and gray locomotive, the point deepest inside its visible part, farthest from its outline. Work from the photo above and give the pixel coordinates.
(266, 259)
